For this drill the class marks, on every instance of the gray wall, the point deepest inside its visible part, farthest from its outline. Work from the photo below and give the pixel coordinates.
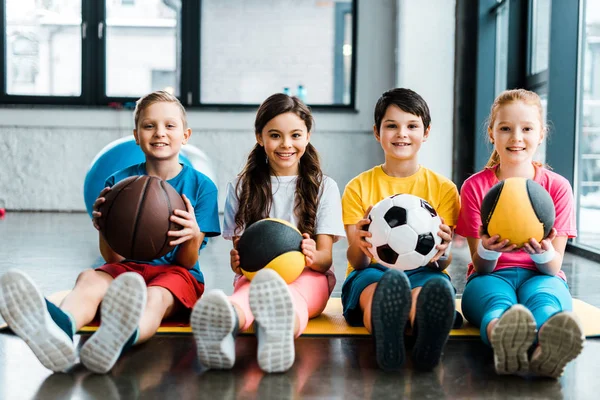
(45, 152)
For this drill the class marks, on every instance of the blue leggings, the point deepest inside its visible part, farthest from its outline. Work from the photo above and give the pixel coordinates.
(486, 297)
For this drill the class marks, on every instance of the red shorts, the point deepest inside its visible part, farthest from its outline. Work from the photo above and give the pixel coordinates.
(177, 280)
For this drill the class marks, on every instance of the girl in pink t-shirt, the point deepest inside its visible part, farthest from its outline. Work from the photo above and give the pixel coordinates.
(520, 298)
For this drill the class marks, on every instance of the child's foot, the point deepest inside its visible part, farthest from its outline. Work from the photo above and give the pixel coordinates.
(511, 338)
(433, 322)
(560, 340)
(214, 324)
(271, 304)
(121, 311)
(389, 314)
(27, 313)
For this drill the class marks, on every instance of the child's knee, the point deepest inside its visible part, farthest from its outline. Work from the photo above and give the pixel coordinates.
(159, 299)
(93, 281)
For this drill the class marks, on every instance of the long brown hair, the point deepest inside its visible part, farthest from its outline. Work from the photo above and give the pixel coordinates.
(254, 183)
(507, 97)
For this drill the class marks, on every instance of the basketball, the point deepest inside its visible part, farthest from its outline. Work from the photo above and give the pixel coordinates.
(136, 217)
(518, 209)
(271, 243)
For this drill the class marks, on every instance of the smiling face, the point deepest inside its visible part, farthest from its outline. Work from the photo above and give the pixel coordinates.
(284, 139)
(516, 132)
(161, 131)
(400, 134)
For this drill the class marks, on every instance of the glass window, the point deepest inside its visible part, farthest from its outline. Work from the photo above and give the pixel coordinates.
(142, 47)
(43, 47)
(540, 155)
(502, 21)
(540, 35)
(254, 48)
(588, 183)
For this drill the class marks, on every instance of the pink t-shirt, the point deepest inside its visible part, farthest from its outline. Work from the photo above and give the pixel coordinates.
(475, 188)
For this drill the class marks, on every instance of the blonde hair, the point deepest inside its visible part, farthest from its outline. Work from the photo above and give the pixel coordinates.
(159, 96)
(507, 97)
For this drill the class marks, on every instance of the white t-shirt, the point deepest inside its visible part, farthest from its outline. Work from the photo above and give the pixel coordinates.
(329, 210)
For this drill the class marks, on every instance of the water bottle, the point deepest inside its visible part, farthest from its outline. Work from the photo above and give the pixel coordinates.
(286, 90)
(301, 93)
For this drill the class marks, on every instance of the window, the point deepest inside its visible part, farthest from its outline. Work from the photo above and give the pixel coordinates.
(540, 36)
(251, 49)
(588, 160)
(502, 21)
(209, 53)
(43, 47)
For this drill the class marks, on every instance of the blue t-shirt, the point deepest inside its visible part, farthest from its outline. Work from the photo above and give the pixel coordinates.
(201, 192)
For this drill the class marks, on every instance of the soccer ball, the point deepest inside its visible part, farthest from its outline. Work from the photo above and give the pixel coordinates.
(404, 232)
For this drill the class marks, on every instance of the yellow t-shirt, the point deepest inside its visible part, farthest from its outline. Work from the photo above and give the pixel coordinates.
(374, 185)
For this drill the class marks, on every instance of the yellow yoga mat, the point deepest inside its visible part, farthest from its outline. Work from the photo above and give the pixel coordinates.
(332, 322)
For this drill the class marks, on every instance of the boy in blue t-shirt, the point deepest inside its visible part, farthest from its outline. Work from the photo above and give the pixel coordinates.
(135, 296)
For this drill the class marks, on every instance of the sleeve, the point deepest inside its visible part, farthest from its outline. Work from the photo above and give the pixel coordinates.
(110, 181)
(564, 203)
(469, 217)
(231, 207)
(329, 212)
(449, 207)
(352, 209)
(207, 211)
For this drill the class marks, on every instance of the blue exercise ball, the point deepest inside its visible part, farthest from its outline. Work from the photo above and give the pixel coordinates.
(116, 156)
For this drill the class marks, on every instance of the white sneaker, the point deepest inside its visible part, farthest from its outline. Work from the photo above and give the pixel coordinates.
(121, 312)
(213, 323)
(24, 309)
(273, 309)
(512, 337)
(560, 340)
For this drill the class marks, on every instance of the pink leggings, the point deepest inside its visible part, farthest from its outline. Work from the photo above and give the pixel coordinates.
(310, 293)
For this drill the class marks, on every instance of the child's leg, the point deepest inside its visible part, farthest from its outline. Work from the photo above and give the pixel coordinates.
(241, 303)
(310, 293)
(160, 304)
(83, 301)
(433, 312)
(490, 302)
(29, 315)
(357, 295)
(122, 309)
(560, 337)
(272, 305)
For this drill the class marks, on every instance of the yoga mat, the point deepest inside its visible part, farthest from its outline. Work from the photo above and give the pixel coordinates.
(332, 322)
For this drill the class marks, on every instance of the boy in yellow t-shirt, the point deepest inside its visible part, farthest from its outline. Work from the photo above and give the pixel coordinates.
(383, 299)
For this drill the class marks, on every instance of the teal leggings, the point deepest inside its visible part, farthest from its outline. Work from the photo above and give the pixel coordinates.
(487, 296)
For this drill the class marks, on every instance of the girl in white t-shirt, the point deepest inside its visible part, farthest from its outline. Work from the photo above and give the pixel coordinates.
(282, 179)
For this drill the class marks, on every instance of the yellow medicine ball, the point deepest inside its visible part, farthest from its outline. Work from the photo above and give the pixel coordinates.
(518, 209)
(271, 243)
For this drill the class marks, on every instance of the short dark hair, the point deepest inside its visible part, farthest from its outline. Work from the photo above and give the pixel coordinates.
(407, 100)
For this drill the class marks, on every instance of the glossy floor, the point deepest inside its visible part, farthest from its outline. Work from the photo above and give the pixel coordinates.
(54, 248)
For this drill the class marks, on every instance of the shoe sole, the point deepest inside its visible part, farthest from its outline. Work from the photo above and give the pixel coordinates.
(24, 309)
(273, 309)
(389, 315)
(561, 340)
(121, 311)
(213, 322)
(435, 317)
(512, 337)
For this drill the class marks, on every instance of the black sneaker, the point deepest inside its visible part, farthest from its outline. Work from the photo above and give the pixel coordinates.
(433, 321)
(389, 315)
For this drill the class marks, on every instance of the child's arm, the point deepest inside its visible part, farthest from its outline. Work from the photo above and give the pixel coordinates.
(234, 257)
(439, 262)
(109, 255)
(553, 250)
(189, 238)
(358, 254)
(318, 253)
(483, 262)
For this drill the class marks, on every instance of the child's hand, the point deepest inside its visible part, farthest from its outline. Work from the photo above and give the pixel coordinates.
(445, 233)
(363, 233)
(96, 214)
(533, 247)
(493, 243)
(187, 219)
(234, 259)
(309, 248)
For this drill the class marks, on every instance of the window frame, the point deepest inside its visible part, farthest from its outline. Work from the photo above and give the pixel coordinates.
(93, 63)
